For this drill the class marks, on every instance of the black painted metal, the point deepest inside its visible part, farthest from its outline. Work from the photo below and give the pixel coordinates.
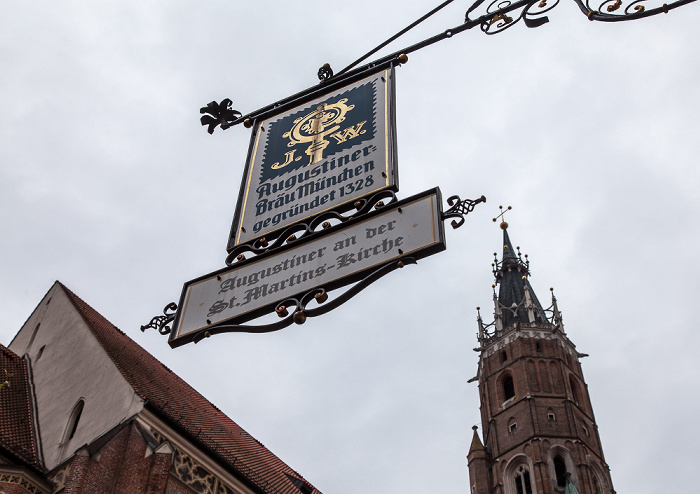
(394, 37)
(302, 229)
(218, 114)
(496, 19)
(296, 309)
(300, 305)
(357, 281)
(307, 94)
(325, 72)
(460, 208)
(161, 322)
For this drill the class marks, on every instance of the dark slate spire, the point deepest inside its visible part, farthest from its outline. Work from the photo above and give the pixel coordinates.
(514, 288)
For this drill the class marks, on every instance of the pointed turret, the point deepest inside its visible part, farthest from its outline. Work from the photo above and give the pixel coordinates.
(476, 442)
(479, 466)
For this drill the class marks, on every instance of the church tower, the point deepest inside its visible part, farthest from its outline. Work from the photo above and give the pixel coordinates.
(539, 431)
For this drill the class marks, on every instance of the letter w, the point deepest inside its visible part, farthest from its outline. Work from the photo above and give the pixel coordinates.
(349, 133)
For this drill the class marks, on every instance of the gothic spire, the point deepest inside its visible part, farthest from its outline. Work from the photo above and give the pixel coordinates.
(516, 298)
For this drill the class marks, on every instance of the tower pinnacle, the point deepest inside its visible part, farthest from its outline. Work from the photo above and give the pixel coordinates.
(516, 298)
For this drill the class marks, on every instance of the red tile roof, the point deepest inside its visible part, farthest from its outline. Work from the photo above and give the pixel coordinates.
(16, 415)
(190, 411)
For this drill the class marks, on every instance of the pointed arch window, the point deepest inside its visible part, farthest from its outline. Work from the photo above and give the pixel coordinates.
(599, 484)
(596, 485)
(522, 480)
(74, 420)
(508, 388)
(517, 476)
(560, 471)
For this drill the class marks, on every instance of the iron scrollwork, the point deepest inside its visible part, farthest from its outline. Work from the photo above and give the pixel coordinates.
(295, 310)
(460, 208)
(502, 14)
(619, 10)
(302, 229)
(161, 323)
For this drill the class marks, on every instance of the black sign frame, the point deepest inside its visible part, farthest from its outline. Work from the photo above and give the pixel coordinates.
(389, 173)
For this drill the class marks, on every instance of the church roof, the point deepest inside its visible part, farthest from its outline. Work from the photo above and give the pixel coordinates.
(16, 414)
(188, 410)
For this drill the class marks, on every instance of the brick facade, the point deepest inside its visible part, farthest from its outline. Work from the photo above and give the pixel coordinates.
(119, 466)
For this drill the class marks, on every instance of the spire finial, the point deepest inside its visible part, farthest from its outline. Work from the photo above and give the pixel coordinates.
(504, 225)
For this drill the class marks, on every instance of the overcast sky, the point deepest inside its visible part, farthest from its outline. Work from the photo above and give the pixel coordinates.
(109, 184)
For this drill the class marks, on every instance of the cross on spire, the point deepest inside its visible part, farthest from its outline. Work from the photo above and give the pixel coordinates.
(504, 225)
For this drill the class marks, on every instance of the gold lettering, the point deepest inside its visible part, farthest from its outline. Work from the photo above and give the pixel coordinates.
(349, 133)
(289, 157)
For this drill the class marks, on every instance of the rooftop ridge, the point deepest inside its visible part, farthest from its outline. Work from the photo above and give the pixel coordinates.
(185, 406)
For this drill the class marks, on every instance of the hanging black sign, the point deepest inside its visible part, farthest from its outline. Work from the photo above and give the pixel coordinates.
(320, 155)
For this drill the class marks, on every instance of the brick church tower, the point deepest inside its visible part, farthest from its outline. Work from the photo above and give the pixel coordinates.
(539, 431)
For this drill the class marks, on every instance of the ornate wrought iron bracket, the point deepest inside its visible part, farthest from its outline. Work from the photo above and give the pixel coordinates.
(302, 229)
(460, 208)
(499, 16)
(161, 322)
(297, 311)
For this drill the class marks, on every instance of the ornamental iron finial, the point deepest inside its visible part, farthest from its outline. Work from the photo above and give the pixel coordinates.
(460, 208)
(161, 323)
(218, 114)
(325, 72)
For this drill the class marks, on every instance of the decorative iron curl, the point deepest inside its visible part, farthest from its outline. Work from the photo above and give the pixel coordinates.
(161, 322)
(218, 114)
(460, 208)
(619, 10)
(295, 310)
(302, 229)
(503, 14)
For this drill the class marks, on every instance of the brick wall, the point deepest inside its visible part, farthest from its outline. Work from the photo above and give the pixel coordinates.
(120, 467)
